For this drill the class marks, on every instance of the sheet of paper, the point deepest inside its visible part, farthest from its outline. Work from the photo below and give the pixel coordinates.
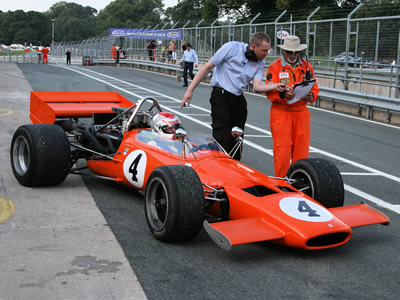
(301, 89)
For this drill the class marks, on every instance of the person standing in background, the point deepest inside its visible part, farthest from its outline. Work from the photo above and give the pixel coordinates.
(150, 49)
(290, 123)
(172, 52)
(189, 58)
(68, 54)
(183, 47)
(118, 54)
(44, 53)
(114, 52)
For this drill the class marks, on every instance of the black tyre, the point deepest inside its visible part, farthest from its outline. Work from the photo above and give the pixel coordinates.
(174, 203)
(320, 179)
(40, 155)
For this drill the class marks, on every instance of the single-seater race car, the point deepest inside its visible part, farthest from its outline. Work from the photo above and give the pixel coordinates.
(188, 180)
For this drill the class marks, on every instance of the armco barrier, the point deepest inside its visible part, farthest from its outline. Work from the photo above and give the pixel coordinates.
(361, 100)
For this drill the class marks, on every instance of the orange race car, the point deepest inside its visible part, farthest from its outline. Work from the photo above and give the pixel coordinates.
(188, 180)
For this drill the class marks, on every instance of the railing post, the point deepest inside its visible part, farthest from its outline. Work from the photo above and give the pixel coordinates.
(251, 22)
(212, 36)
(152, 31)
(308, 31)
(346, 63)
(197, 34)
(183, 29)
(396, 91)
(276, 24)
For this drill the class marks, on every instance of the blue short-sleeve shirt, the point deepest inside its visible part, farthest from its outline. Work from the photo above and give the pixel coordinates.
(233, 71)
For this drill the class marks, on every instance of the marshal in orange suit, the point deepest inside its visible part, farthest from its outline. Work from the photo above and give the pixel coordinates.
(114, 52)
(290, 123)
(44, 52)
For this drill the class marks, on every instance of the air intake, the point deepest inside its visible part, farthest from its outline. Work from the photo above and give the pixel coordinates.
(327, 239)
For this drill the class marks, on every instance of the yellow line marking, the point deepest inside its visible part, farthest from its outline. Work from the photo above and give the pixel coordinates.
(5, 112)
(7, 209)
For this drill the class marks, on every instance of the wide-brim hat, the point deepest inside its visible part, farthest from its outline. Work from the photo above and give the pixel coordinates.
(292, 43)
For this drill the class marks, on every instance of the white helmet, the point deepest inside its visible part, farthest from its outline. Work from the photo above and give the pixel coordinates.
(165, 124)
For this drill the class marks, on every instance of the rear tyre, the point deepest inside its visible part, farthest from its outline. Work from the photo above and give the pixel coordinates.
(320, 179)
(174, 203)
(40, 155)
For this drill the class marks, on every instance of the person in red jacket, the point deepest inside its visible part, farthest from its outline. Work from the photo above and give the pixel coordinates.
(114, 52)
(290, 123)
(44, 53)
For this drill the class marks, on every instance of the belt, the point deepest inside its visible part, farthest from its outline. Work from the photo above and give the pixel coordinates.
(223, 91)
(189, 62)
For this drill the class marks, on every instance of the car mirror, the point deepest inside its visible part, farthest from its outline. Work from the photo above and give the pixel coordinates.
(236, 131)
(180, 134)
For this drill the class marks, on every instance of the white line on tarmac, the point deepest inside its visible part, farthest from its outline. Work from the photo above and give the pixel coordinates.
(387, 205)
(377, 201)
(359, 174)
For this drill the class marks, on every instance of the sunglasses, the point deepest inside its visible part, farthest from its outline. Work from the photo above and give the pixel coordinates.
(292, 52)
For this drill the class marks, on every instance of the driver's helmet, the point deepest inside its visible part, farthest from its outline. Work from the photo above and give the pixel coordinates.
(165, 124)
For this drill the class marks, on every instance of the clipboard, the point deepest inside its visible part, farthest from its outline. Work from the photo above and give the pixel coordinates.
(301, 89)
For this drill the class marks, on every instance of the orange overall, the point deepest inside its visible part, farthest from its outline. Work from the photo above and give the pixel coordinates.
(289, 123)
(114, 52)
(44, 52)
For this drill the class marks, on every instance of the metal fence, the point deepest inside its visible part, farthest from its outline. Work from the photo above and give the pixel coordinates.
(341, 44)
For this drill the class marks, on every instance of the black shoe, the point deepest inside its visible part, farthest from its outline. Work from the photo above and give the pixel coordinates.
(185, 85)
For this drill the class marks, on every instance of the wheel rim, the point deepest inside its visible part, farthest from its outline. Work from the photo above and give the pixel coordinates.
(157, 204)
(303, 182)
(21, 155)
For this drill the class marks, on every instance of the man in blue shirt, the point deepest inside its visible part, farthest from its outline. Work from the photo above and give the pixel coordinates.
(189, 58)
(236, 65)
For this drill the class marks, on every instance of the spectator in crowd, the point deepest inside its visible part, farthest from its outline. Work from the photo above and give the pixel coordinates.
(236, 65)
(290, 123)
(172, 52)
(151, 48)
(68, 54)
(189, 58)
(118, 54)
(162, 53)
(183, 47)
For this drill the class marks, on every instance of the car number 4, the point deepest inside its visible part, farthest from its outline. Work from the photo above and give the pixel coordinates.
(304, 209)
(134, 167)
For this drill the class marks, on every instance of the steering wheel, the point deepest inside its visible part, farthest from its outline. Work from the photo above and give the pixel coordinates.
(201, 147)
(209, 146)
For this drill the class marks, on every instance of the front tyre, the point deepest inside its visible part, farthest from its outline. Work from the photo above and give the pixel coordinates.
(174, 203)
(40, 155)
(320, 179)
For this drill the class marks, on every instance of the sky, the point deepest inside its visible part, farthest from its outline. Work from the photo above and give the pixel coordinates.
(43, 5)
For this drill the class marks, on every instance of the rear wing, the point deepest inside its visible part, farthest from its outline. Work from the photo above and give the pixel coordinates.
(47, 106)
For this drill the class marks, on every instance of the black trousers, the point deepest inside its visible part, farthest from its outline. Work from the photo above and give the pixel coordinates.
(186, 67)
(227, 111)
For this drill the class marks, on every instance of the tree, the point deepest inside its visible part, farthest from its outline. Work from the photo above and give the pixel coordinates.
(72, 21)
(184, 11)
(20, 27)
(129, 14)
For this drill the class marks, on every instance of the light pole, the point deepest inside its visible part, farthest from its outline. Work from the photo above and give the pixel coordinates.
(52, 32)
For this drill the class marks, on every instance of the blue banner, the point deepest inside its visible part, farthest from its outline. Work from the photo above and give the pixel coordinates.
(147, 34)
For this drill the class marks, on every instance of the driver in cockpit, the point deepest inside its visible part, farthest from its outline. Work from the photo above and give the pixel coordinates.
(162, 135)
(165, 124)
